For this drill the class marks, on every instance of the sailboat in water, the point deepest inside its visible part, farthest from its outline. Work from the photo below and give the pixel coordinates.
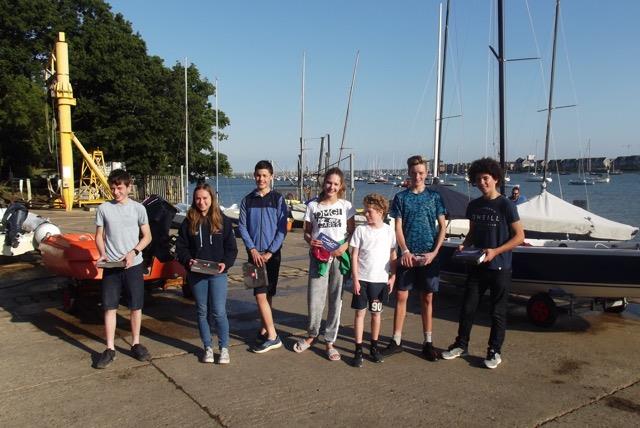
(569, 252)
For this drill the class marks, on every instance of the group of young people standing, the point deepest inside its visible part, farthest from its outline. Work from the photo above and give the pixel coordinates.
(376, 256)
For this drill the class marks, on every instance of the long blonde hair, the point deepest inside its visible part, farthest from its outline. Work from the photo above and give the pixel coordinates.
(213, 216)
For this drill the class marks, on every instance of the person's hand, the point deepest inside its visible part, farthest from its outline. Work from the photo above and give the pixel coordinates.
(221, 267)
(490, 254)
(266, 256)
(429, 257)
(340, 250)
(407, 259)
(391, 282)
(315, 243)
(102, 258)
(256, 257)
(460, 247)
(191, 262)
(356, 287)
(128, 259)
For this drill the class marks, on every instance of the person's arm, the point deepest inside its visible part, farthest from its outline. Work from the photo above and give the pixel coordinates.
(281, 229)
(355, 270)
(393, 266)
(517, 238)
(407, 258)
(351, 226)
(145, 240)
(468, 240)
(102, 255)
(230, 247)
(442, 230)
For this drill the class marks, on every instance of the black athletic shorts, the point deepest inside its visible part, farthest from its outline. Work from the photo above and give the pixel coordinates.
(422, 278)
(115, 279)
(273, 271)
(369, 293)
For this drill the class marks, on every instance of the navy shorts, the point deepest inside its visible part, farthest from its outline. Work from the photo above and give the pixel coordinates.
(115, 279)
(273, 271)
(423, 278)
(369, 293)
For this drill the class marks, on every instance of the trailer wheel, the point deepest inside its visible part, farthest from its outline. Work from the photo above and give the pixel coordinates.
(542, 310)
(618, 306)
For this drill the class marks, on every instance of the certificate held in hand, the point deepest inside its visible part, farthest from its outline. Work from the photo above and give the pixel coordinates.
(472, 256)
(328, 243)
(254, 276)
(206, 267)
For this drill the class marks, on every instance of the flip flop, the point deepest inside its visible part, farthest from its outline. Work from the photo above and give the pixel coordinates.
(333, 354)
(302, 345)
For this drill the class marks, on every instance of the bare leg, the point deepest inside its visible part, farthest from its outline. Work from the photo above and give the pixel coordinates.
(375, 325)
(400, 312)
(358, 325)
(426, 303)
(264, 307)
(136, 322)
(110, 327)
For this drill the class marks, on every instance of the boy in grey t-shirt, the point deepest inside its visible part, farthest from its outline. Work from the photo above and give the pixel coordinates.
(122, 232)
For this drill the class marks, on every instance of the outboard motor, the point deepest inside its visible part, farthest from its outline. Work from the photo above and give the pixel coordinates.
(12, 221)
(160, 213)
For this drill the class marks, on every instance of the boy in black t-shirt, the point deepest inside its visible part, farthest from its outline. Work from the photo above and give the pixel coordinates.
(494, 226)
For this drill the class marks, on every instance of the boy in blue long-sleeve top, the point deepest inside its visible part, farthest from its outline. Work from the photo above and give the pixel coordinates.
(263, 227)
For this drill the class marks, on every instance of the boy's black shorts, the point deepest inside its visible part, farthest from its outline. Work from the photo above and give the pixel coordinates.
(423, 278)
(370, 292)
(273, 271)
(115, 279)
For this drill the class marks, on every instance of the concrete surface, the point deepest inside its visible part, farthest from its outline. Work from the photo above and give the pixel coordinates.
(584, 371)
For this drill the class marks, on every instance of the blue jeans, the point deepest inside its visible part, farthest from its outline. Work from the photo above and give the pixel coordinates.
(211, 299)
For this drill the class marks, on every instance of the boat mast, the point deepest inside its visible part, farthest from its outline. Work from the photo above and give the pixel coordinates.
(550, 105)
(301, 155)
(346, 118)
(217, 148)
(501, 72)
(442, 65)
(186, 136)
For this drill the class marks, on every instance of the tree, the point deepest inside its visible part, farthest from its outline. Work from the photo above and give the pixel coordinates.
(129, 104)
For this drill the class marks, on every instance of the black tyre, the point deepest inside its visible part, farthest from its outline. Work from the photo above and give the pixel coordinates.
(542, 310)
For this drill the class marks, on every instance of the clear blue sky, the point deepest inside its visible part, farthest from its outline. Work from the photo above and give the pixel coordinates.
(255, 49)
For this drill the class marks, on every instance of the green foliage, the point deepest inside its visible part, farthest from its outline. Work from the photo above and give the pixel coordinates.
(129, 104)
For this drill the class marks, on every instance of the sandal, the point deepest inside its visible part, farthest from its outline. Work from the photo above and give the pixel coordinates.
(302, 345)
(333, 354)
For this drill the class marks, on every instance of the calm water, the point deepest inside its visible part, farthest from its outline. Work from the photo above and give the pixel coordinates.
(618, 200)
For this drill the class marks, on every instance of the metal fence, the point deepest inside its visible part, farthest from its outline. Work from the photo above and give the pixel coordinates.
(166, 186)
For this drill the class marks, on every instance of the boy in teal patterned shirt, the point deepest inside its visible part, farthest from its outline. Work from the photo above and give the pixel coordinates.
(416, 211)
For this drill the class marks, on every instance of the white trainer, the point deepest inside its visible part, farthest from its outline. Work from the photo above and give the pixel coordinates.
(224, 356)
(208, 355)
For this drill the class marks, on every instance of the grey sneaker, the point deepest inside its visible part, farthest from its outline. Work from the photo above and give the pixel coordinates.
(224, 356)
(456, 350)
(493, 359)
(267, 345)
(208, 355)
(105, 359)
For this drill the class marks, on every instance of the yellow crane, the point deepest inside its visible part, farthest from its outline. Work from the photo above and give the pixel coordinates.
(63, 93)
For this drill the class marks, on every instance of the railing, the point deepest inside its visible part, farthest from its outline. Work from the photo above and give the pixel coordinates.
(166, 186)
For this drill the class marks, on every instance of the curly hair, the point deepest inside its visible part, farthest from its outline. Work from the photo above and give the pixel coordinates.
(485, 166)
(376, 201)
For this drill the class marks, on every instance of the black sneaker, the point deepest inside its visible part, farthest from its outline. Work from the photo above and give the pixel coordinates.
(261, 338)
(375, 354)
(429, 352)
(392, 348)
(106, 358)
(358, 358)
(140, 353)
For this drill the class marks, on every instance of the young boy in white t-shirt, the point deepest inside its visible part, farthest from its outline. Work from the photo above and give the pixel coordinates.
(373, 255)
